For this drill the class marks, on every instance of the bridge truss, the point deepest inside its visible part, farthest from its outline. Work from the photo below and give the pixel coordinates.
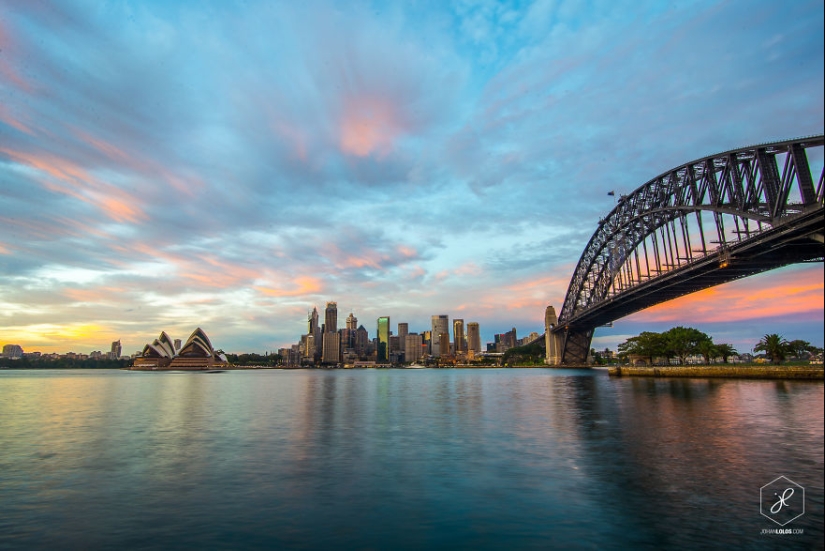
(707, 222)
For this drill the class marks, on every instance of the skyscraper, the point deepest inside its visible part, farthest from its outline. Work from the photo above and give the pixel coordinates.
(352, 322)
(444, 344)
(473, 338)
(362, 340)
(332, 348)
(115, 353)
(331, 317)
(403, 330)
(441, 324)
(412, 346)
(383, 338)
(312, 322)
(458, 336)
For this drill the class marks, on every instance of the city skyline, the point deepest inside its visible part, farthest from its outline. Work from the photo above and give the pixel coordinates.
(167, 165)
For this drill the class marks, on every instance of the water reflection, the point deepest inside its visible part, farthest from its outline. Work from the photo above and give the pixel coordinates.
(469, 458)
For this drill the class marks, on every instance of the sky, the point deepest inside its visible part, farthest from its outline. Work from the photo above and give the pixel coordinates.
(231, 164)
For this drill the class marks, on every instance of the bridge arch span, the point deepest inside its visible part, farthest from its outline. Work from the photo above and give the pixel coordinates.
(706, 222)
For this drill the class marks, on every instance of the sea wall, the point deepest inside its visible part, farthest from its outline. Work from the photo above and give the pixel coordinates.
(810, 373)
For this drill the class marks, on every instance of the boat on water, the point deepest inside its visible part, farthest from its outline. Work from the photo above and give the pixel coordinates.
(415, 366)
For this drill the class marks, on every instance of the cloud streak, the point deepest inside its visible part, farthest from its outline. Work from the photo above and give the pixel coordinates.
(165, 165)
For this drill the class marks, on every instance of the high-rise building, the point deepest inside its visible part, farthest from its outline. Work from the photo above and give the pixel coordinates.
(473, 338)
(332, 348)
(309, 347)
(312, 322)
(427, 340)
(458, 336)
(440, 324)
(314, 329)
(331, 317)
(116, 349)
(444, 344)
(506, 341)
(412, 346)
(362, 341)
(383, 338)
(352, 322)
(403, 330)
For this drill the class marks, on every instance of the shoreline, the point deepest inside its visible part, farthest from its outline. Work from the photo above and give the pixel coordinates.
(802, 373)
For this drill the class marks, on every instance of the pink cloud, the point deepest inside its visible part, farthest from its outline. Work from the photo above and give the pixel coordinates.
(369, 125)
(63, 176)
(10, 120)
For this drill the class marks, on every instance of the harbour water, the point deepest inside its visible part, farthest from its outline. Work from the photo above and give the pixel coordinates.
(402, 459)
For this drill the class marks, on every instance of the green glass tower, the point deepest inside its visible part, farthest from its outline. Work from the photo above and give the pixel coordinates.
(383, 338)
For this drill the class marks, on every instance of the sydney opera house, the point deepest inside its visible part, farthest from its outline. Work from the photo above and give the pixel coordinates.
(196, 354)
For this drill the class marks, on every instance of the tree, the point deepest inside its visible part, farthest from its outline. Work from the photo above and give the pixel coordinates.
(725, 351)
(708, 350)
(799, 348)
(774, 346)
(647, 345)
(683, 341)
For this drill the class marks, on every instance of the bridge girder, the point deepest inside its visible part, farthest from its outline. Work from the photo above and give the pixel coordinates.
(761, 208)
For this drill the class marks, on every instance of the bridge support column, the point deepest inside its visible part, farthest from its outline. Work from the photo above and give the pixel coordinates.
(576, 348)
(552, 341)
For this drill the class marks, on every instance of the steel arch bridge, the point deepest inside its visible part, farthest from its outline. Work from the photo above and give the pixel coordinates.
(707, 222)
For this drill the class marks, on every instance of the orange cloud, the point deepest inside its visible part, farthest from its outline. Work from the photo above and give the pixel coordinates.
(787, 293)
(369, 125)
(304, 285)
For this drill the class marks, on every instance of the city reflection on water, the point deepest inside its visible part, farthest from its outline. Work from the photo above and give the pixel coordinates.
(401, 459)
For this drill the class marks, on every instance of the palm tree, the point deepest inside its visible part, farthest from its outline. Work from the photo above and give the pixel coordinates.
(774, 346)
(708, 350)
(726, 351)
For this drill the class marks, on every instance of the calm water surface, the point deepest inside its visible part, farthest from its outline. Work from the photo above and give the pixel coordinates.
(380, 459)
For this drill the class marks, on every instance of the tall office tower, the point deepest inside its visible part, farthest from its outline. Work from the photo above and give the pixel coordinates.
(352, 322)
(441, 324)
(312, 322)
(412, 347)
(332, 348)
(506, 341)
(403, 330)
(309, 347)
(331, 317)
(347, 338)
(383, 338)
(395, 347)
(473, 338)
(362, 341)
(444, 344)
(458, 336)
(115, 353)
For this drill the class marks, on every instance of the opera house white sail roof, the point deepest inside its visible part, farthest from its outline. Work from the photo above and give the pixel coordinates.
(196, 353)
